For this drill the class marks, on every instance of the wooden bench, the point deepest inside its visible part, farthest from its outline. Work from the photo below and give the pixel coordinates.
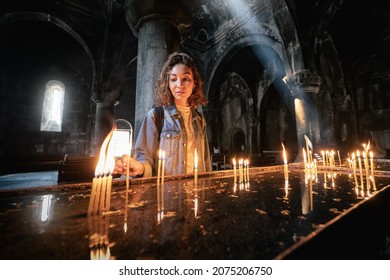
(76, 169)
(20, 163)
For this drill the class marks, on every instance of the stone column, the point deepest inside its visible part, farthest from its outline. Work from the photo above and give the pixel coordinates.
(103, 124)
(304, 87)
(158, 26)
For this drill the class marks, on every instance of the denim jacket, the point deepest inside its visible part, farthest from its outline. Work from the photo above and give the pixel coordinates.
(173, 140)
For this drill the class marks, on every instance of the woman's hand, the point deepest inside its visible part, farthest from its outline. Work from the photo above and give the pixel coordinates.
(136, 168)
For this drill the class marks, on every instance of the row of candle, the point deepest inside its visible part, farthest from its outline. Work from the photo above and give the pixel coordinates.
(160, 181)
(100, 201)
(309, 164)
(243, 170)
(368, 167)
(102, 182)
(328, 158)
(161, 167)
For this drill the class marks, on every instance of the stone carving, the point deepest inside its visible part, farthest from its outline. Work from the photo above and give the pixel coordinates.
(304, 81)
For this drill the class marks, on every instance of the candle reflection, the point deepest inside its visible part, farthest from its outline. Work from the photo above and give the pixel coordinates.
(286, 188)
(98, 237)
(246, 172)
(196, 202)
(306, 203)
(160, 185)
(45, 208)
(240, 171)
(195, 168)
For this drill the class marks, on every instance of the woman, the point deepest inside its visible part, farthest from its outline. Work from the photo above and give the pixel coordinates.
(179, 91)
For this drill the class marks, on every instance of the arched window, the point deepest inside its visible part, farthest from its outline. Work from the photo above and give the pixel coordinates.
(53, 106)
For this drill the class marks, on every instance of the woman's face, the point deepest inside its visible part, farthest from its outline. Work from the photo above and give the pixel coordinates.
(181, 84)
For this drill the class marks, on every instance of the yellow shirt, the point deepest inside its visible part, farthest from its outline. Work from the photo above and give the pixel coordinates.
(186, 113)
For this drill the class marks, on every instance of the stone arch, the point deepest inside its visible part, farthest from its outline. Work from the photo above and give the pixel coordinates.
(235, 112)
(10, 18)
(273, 70)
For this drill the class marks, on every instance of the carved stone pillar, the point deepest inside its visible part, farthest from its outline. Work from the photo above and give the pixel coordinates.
(304, 87)
(158, 25)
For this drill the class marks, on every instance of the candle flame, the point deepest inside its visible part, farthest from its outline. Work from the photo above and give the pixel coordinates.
(284, 154)
(106, 162)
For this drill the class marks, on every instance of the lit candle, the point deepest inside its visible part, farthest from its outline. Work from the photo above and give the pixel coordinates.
(327, 159)
(195, 169)
(159, 167)
(127, 189)
(162, 179)
(128, 173)
(158, 182)
(127, 192)
(240, 168)
(109, 167)
(360, 168)
(349, 162)
(332, 161)
(100, 200)
(323, 158)
(247, 169)
(304, 158)
(107, 203)
(234, 171)
(96, 183)
(285, 163)
(372, 169)
(103, 193)
(244, 170)
(354, 169)
(366, 167)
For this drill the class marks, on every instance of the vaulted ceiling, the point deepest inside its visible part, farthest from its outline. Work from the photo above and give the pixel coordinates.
(93, 34)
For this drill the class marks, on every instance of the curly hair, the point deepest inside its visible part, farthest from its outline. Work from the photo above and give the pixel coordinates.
(163, 95)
